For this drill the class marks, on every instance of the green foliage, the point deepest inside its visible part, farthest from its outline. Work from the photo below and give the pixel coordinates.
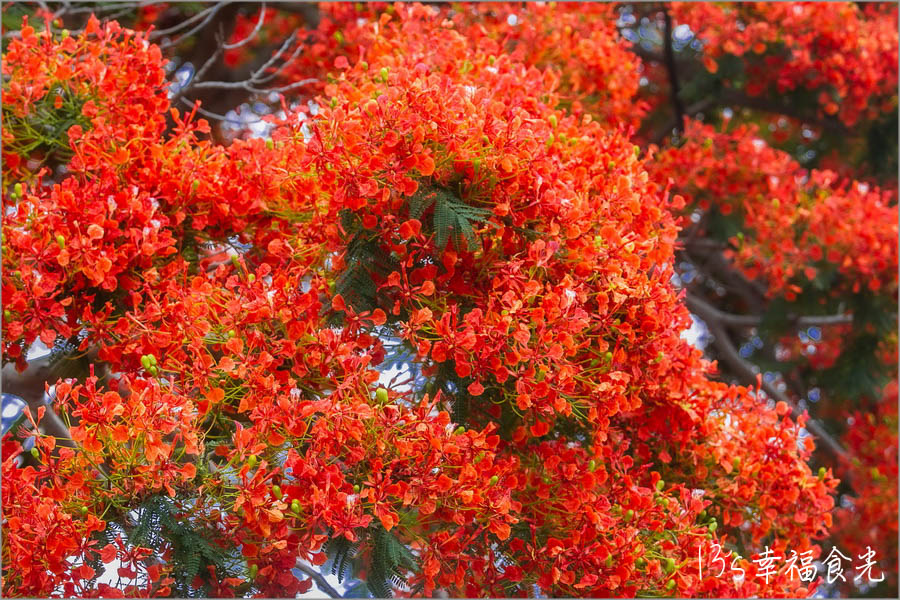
(451, 217)
(389, 562)
(159, 524)
(342, 552)
(44, 132)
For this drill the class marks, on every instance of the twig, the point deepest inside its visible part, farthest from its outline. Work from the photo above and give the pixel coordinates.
(175, 28)
(744, 370)
(252, 34)
(206, 113)
(214, 10)
(319, 579)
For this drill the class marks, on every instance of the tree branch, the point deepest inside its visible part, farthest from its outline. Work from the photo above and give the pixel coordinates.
(745, 372)
(674, 87)
(320, 580)
(29, 385)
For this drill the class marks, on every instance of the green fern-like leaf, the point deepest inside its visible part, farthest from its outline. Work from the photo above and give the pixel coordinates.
(452, 217)
(390, 560)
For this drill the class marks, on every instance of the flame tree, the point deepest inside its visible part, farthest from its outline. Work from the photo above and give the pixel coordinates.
(422, 325)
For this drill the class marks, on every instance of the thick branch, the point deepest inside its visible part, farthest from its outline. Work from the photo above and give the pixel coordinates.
(717, 266)
(321, 582)
(733, 320)
(29, 385)
(744, 370)
(674, 87)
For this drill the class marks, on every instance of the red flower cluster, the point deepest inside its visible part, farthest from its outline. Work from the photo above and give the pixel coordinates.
(804, 223)
(847, 54)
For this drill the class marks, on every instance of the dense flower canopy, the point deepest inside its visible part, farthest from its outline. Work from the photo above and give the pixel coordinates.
(430, 329)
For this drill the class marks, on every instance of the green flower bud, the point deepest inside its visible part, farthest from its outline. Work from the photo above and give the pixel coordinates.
(822, 472)
(713, 526)
(7, 316)
(83, 510)
(670, 585)
(629, 515)
(251, 461)
(460, 430)
(251, 277)
(356, 488)
(381, 395)
(660, 485)
(276, 491)
(670, 564)
(61, 240)
(592, 465)
(153, 370)
(145, 362)
(295, 506)
(35, 453)
(17, 189)
(254, 569)
(494, 480)
(553, 121)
